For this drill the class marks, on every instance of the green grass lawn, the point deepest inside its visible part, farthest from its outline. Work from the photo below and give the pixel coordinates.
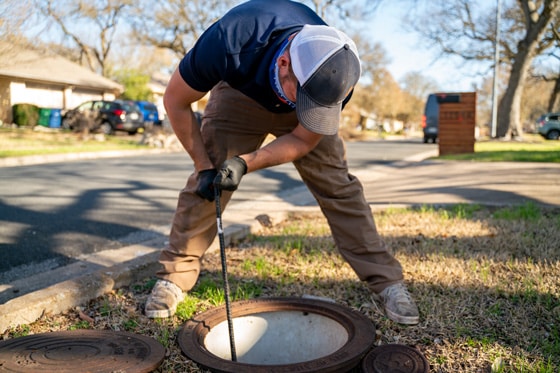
(532, 150)
(24, 142)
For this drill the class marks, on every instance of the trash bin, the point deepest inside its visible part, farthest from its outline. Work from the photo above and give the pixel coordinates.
(457, 121)
(55, 118)
(44, 117)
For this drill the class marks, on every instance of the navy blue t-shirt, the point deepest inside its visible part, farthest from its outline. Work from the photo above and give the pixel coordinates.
(239, 49)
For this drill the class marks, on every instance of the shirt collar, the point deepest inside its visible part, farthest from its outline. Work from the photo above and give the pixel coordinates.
(273, 74)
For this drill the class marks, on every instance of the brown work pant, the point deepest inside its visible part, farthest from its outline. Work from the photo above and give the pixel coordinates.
(235, 124)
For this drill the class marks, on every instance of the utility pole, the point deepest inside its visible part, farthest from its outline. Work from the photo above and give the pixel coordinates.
(496, 68)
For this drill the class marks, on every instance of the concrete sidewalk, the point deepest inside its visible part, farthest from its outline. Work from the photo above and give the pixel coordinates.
(444, 182)
(410, 182)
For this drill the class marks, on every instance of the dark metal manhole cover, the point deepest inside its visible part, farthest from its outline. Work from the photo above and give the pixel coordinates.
(96, 351)
(395, 358)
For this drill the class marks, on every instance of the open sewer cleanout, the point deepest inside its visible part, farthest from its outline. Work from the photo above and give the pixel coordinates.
(279, 335)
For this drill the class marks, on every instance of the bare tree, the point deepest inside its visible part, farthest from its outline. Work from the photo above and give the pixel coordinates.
(342, 10)
(175, 24)
(372, 57)
(418, 87)
(379, 94)
(555, 92)
(373, 62)
(13, 16)
(90, 25)
(537, 18)
(548, 76)
(456, 28)
(536, 98)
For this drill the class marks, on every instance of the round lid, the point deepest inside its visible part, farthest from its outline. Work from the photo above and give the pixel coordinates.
(73, 351)
(395, 358)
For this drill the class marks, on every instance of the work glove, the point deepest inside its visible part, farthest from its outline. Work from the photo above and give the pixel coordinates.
(230, 174)
(205, 184)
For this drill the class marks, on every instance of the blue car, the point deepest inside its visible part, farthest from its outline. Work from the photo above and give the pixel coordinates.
(150, 112)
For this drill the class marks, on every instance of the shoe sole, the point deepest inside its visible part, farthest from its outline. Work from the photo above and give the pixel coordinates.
(159, 314)
(406, 320)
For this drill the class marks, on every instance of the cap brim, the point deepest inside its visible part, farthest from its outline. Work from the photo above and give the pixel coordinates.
(317, 118)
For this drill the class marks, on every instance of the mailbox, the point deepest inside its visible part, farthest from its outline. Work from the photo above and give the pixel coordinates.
(457, 120)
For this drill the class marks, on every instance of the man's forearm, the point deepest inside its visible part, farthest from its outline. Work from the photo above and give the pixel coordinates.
(188, 132)
(284, 149)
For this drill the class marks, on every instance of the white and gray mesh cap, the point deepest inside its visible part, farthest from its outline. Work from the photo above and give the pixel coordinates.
(326, 64)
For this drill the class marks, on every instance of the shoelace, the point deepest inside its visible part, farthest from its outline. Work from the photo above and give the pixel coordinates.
(397, 291)
(167, 285)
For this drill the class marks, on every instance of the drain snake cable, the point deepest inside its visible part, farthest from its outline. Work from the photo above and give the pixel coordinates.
(224, 272)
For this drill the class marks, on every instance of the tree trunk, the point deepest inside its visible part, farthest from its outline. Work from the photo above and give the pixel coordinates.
(509, 109)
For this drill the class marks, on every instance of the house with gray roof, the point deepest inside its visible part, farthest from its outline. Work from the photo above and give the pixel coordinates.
(47, 81)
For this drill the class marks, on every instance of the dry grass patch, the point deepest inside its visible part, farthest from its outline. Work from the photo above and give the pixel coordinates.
(487, 282)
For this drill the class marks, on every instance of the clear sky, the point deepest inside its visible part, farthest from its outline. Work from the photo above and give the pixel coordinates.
(407, 52)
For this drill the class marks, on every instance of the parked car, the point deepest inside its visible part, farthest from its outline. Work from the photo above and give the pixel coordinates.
(548, 126)
(105, 116)
(149, 112)
(430, 119)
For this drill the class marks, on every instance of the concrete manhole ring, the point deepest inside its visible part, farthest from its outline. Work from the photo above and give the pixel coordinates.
(395, 358)
(279, 335)
(95, 351)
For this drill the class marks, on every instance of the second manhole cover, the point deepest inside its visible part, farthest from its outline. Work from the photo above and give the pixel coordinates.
(96, 351)
(395, 358)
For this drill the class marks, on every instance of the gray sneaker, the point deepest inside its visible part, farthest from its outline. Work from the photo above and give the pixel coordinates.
(399, 305)
(163, 300)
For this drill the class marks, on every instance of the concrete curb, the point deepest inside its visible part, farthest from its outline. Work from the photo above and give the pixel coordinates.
(69, 294)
